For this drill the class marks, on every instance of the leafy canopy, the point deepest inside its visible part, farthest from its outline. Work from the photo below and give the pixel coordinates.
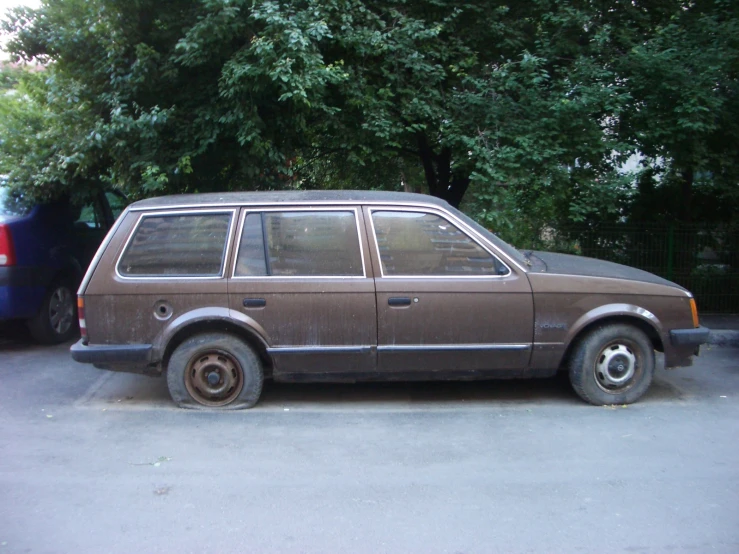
(532, 106)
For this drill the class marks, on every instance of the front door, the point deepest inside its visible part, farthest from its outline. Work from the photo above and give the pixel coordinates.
(444, 301)
(302, 275)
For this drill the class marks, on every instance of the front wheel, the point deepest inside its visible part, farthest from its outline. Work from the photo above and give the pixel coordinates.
(613, 364)
(214, 370)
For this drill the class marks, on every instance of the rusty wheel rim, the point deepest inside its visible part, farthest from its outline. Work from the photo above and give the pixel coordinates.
(214, 378)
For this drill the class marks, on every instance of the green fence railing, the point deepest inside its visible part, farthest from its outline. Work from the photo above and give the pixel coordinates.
(702, 258)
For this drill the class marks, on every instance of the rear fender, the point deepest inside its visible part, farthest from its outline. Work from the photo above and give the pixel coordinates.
(207, 315)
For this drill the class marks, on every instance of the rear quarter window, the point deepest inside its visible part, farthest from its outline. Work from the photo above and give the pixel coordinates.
(177, 245)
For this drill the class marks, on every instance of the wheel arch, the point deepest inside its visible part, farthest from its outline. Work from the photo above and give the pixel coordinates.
(645, 325)
(206, 320)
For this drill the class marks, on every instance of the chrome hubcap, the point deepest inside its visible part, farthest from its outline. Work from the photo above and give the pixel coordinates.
(615, 367)
(61, 310)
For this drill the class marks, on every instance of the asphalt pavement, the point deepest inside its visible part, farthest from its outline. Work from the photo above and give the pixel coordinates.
(93, 461)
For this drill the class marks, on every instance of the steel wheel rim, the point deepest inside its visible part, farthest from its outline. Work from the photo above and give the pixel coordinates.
(214, 378)
(61, 310)
(617, 367)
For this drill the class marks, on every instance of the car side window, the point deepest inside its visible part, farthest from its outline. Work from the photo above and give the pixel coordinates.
(187, 245)
(425, 244)
(90, 216)
(300, 244)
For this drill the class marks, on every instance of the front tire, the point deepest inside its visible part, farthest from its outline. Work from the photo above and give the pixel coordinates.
(214, 370)
(56, 320)
(613, 364)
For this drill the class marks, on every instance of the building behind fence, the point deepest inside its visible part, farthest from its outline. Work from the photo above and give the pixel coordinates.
(702, 258)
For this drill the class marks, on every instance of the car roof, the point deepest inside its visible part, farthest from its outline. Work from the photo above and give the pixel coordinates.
(287, 197)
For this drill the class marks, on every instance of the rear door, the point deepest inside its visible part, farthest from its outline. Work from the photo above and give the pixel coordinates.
(302, 275)
(445, 302)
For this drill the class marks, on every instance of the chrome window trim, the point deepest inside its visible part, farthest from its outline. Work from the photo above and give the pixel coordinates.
(451, 219)
(345, 208)
(314, 204)
(169, 212)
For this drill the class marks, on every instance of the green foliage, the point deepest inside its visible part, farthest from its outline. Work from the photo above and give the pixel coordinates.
(9, 77)
(684, 118)
(532, 107)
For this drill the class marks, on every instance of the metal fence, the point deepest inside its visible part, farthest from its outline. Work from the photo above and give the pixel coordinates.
(704, 259)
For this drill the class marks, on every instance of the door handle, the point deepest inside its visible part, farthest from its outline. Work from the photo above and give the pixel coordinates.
(254, 302)
(399, 301)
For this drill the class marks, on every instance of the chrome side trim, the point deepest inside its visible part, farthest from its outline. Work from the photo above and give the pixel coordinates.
(320, 350)
(240, 231)
(450, 347)
(169, 212)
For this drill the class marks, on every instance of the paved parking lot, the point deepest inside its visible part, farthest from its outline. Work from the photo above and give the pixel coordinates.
(100, 462)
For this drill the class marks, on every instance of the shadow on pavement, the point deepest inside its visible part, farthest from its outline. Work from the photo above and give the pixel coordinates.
(126, 391)
(14, 335)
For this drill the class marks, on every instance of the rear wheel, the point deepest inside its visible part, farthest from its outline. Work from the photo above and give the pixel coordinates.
(613, 364)
(214, 370)
(56, 320)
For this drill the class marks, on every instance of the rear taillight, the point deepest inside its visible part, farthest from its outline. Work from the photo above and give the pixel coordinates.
(81, 316)
(7, 251)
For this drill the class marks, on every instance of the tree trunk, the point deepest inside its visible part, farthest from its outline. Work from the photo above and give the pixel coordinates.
(686, 195)
(442, 181)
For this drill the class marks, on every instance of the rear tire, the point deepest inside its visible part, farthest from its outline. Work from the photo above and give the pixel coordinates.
(613, 364)
(56, 320)
(214, 370)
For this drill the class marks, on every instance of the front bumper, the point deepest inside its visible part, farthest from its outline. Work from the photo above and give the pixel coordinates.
(110, 354)
(689, 337)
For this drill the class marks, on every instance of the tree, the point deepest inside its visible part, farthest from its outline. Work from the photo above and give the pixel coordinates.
(685, 115)
(530, 106)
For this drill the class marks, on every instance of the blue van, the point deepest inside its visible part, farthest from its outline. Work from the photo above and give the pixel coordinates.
(44, 251)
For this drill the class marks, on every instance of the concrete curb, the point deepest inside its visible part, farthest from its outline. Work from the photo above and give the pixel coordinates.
(722, 337)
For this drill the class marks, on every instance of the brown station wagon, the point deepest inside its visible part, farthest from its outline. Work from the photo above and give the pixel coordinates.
(220, 291)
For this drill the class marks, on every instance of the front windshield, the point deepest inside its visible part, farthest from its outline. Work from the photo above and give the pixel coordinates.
(497, 241)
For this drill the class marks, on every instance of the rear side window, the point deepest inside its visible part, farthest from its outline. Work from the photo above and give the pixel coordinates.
(300, 244)
(191, 245)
